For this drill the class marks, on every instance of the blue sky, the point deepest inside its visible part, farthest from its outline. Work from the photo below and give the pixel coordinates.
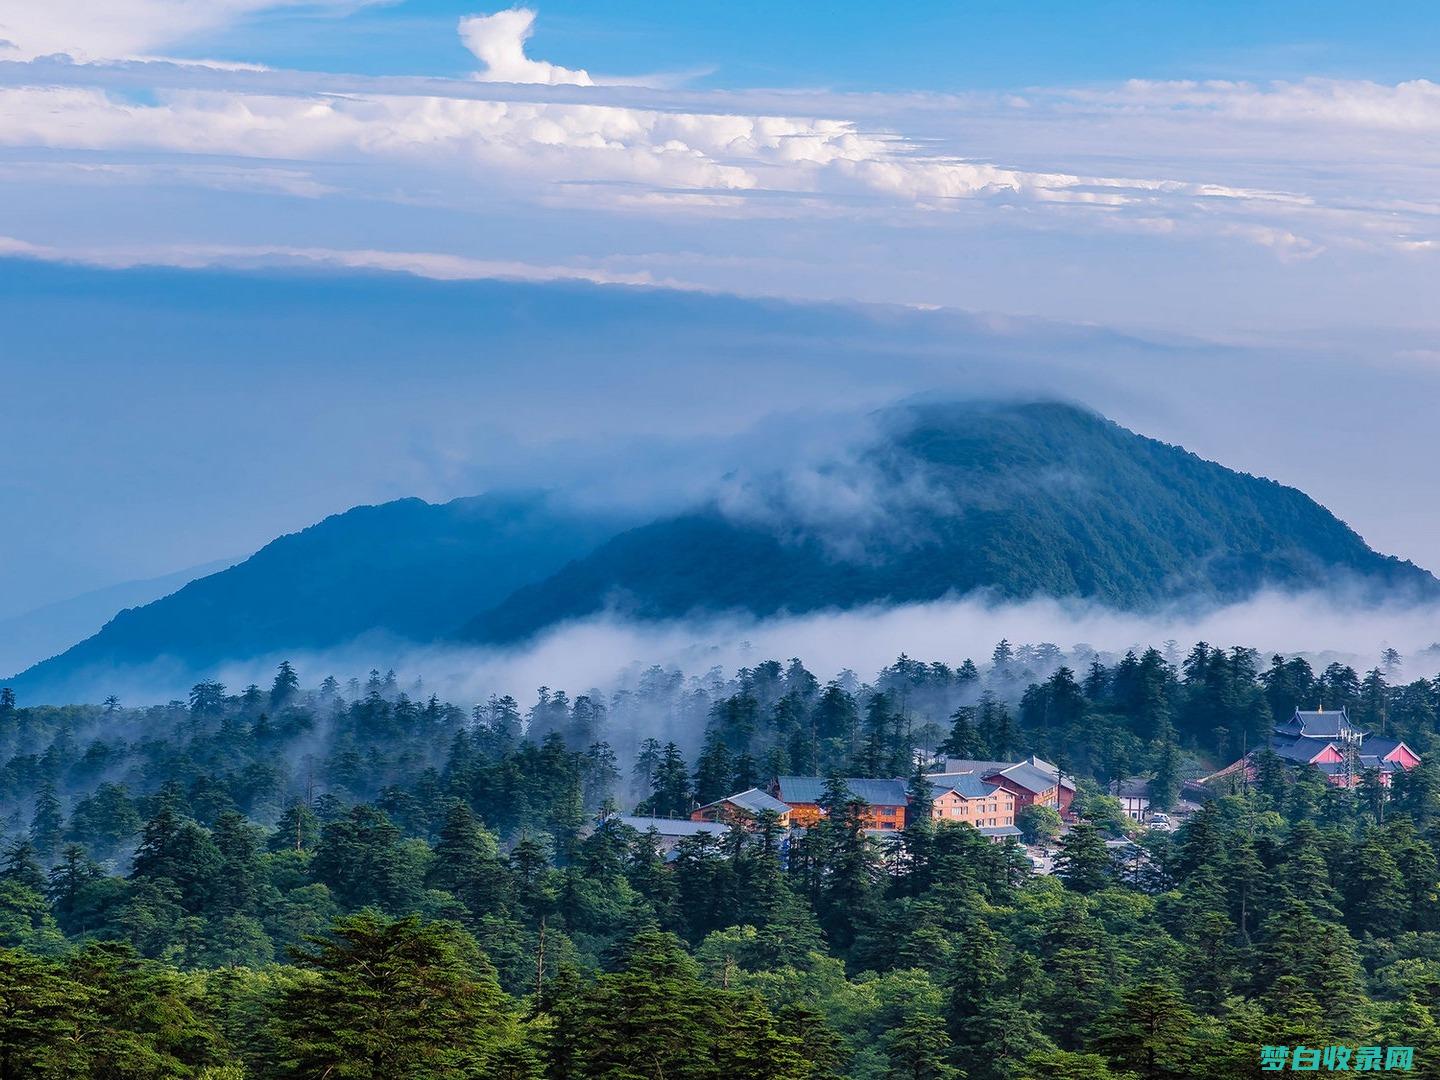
(926, 45)
(1217, 222)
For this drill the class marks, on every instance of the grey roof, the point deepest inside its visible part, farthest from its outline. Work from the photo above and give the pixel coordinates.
(964, 765)
(1362, 762)
(968, 785)
(999, 830)
(753, 800)
(1134, 787)
(1379, 747)
(1029, 777)
(1318, 724)
(811, 789)
(1033, 774)
(672, 826)
(1377, 761)
(1301, 750)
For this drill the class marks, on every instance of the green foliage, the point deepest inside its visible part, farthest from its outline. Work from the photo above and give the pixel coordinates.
(392, 999)
(371, 882)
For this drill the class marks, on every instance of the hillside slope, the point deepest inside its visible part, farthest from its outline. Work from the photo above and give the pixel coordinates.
(1019, 500)
(408, 568)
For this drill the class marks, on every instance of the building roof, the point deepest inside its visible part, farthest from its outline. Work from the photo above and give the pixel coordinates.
(754, 800)
(1133, 787)
(1379, 747)
(1029, 776)
(999, 830)
(811, 789)
(1319, 724)
(1034, 774)
(672, 826)
(1295, 749)
(967, 786)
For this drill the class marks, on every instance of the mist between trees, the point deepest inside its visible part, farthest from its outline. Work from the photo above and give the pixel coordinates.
(223, 881)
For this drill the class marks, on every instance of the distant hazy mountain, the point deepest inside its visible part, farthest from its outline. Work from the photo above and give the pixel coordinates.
(1019, 500)
(44, 631)
(407, 568)
(1014, 500)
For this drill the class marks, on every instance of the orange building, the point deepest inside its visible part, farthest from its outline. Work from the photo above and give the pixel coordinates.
(886, 800)
(742, 809)
(990, 807)
(1034, 781)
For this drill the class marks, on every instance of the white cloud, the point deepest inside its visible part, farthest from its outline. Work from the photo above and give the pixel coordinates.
(1304, 174)
(696, 159)
(111, 29)
(1407, 106)
(498, 42)
(437, 266)
(607, 652)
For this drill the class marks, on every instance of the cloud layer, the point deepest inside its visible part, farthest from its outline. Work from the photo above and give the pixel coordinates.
(609, 653)
(112, 29)
(1293, 170)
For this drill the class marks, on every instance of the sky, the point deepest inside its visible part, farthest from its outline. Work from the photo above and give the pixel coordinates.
(260, 261)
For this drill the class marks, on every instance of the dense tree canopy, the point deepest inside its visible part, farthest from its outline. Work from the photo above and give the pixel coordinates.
(360, 880)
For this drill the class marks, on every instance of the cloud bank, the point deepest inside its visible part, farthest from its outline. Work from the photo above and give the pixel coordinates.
(112, 29)
(1296, 170)
(607, 652)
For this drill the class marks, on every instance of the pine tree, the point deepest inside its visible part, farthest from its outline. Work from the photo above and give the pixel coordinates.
(22, 867)
(394, 998)
(1084, 860)
(671, 795)
(286, 687)
(47, 822)
(963, 740)
(714, 769)
(1150, 1033)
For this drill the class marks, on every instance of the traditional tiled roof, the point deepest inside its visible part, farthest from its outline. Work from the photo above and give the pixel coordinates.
(753, 800)
(811, 789)
(966, 785)
(967, 765)
(1134, 787)
(1030, 777)
(1319, 724)
(1301, 750)
(1379, 747)
(1034, 774)
(672, 826)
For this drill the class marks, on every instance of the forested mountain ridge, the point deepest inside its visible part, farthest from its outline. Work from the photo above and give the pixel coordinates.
(1011, 500)
(1016, 499)
(408, 568)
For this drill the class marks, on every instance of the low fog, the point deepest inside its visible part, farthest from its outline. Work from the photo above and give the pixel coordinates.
(609, 653)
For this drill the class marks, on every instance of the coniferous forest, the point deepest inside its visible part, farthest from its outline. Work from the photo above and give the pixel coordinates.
(358, 879)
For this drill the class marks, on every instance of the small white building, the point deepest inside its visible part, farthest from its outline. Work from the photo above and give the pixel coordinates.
(1134, 796)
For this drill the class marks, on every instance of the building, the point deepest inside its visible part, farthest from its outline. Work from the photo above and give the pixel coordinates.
(672, 830)
(989, 807)
(1338, 748)
(1333, 744)
(1033, 781)
(1134, 796)
(886, 800)
(743, 809)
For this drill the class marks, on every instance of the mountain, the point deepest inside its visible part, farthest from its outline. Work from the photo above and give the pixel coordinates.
(407, 568)
(1012, 500)
(1018, 500)
(43, 631)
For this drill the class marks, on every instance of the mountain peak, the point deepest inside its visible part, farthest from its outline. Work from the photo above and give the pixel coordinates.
(1011, 498)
